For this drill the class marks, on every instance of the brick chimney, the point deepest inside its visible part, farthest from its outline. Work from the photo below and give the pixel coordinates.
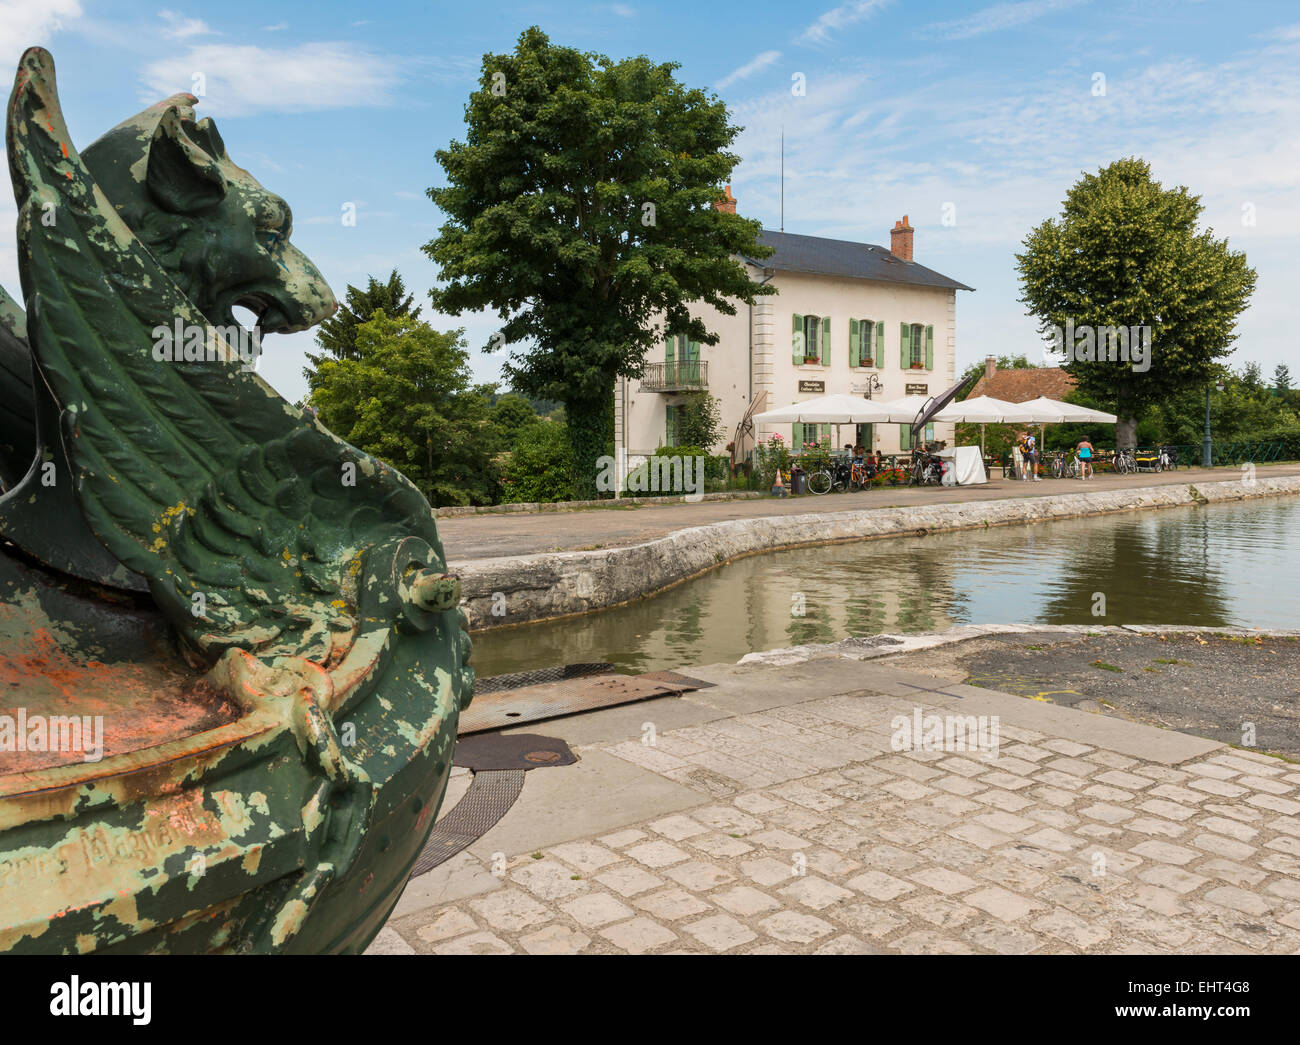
(990, 366)
(727, 203)
(900, 240)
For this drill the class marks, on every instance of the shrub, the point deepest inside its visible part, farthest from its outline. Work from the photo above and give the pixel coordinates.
(541, 466)
(771, 455)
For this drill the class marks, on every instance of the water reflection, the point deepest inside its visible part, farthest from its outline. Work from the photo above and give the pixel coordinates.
(1225, 565)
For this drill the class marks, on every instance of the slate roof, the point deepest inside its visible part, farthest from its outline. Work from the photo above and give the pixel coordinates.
(1020, 386)
(838, 257)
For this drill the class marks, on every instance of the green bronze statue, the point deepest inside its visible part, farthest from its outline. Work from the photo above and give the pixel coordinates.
(255, 615)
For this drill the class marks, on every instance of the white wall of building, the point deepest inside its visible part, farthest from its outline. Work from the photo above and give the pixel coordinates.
(641, 416)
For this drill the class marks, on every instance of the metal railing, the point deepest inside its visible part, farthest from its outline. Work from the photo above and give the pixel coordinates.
(676, 377)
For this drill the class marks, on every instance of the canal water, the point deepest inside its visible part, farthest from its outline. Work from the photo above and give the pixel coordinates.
(1234, 565)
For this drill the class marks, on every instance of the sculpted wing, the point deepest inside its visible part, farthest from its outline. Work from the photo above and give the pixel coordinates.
(197, 475)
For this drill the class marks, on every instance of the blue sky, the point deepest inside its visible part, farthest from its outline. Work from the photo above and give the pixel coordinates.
(986, 112)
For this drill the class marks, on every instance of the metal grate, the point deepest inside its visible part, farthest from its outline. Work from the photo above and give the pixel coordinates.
(489, 798)
(519, 679)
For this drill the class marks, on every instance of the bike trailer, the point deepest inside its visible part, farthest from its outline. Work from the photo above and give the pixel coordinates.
(1147, 460)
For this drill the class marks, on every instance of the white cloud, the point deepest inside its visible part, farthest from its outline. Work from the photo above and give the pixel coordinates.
(25, 23)
(759, 63)
(999, 16)
(244, 78)
(839, 17)
(1005, 149)
(623, 10)
(182, 27)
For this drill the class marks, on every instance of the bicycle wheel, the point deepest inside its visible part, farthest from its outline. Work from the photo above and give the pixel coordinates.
(819, 482)
(1058, 468)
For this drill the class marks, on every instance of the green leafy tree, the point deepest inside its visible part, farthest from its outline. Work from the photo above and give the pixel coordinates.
(1282, 378)
(699, 420)
(511, 413)
(1126, 252)
(337, 336)
(407, 398)
(541, 466)
(580, 207)
(1252, 377)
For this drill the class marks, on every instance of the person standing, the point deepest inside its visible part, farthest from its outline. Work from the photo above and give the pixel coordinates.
(1085, 458)
(1031, 454)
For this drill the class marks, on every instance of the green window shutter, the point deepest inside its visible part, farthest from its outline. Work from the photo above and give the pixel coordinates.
(796, 339)
(824, 436)
(854, 349)
(905, 344)
(905, 437)
(796, 437)
(692, 351)
(824, 349)
(878, 357)
(929, 348)
(668, 349)
(929, 432)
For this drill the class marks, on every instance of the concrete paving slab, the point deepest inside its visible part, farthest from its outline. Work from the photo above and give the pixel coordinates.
(595, 795)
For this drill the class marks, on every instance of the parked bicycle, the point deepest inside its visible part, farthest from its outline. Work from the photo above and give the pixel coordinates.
(1125, 462)
(841, 475)
(927, 470)
(1065, 465)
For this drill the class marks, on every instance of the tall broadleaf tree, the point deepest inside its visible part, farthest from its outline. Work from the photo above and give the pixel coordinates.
(406, 395)
(337, 336)
(580, 208)
(1126, 252)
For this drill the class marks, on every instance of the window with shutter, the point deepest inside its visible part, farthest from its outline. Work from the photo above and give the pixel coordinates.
(905, 437)
(878, 356)
(824, 345)
(917, 345)
(812, 329)
(929, 348)
(797, 340)
(905, 345)
(854, 344)
(866, 354)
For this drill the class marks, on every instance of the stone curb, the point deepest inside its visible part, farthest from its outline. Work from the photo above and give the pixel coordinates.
(618, 504)
(887, 645)
(554, 584)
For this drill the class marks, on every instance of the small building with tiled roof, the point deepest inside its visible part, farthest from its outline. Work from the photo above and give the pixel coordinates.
(1020, 386)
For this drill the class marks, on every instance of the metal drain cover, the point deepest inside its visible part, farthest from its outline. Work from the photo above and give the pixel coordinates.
(515, 707)
(493, 751)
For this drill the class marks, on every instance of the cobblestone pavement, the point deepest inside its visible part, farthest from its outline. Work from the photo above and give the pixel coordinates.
(814, 836)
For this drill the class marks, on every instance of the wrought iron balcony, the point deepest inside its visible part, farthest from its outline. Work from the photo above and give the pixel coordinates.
(676, 377)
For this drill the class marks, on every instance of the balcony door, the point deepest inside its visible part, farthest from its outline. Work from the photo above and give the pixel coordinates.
(682, 360)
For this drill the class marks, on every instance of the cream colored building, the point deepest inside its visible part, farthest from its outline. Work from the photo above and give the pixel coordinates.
(846, 318)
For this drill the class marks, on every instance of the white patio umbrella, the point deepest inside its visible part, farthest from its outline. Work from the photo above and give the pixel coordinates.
(838, 409)
(1046, 411)
(982, 410)
(905, 409)
(832, 409)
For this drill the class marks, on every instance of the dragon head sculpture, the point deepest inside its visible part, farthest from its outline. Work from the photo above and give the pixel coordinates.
(221, 236)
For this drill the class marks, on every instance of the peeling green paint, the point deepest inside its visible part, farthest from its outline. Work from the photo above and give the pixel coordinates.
(253, 828)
